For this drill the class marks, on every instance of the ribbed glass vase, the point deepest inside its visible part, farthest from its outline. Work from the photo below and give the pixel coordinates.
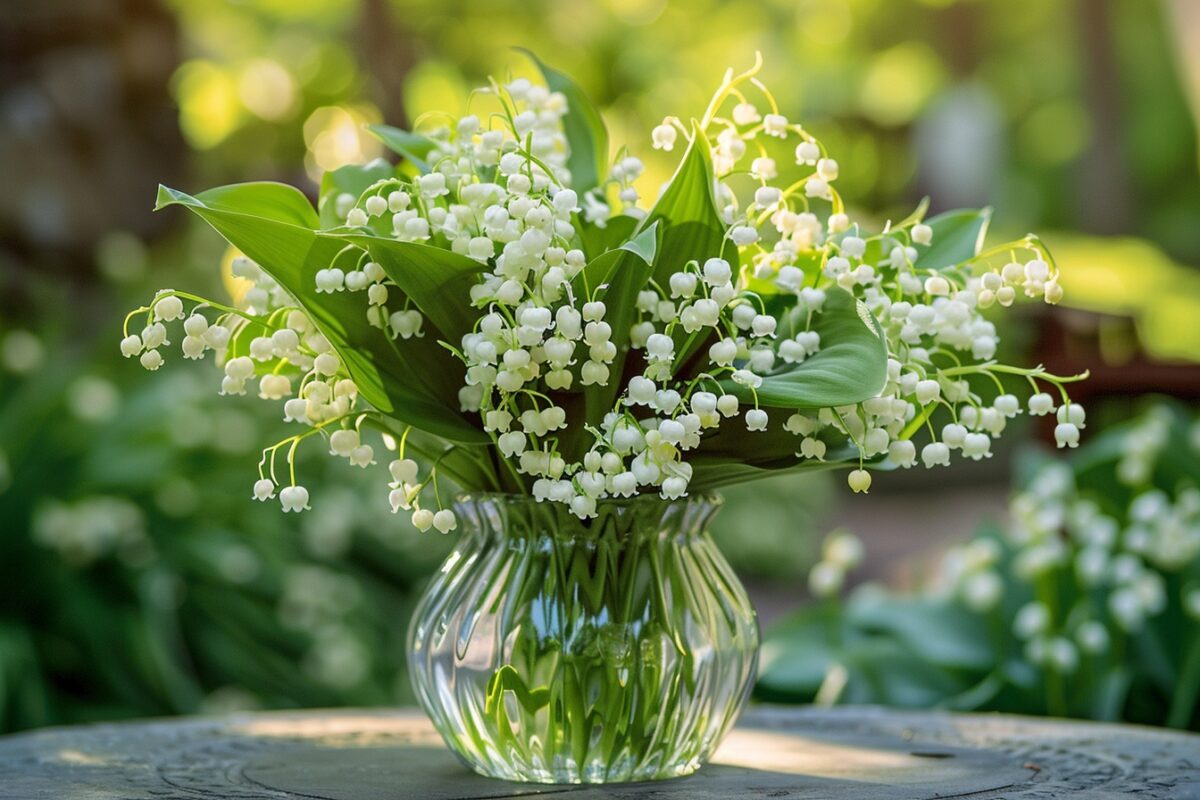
(553, 650)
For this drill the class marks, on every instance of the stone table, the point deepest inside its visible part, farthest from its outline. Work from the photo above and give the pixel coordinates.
(774, 752)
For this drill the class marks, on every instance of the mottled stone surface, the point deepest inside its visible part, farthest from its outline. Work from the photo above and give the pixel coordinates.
(775, 752)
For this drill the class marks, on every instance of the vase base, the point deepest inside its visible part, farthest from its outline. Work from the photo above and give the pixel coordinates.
(589, 776)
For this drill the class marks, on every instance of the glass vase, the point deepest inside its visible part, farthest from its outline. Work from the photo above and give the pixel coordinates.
(551, 649)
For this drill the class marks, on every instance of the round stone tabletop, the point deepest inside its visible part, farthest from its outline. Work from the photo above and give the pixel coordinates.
(774, 752)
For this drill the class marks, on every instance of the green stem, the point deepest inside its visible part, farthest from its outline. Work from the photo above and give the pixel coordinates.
(1187, 688)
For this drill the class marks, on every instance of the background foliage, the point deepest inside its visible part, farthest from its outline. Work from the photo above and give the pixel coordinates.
(1121, 639)
(138, 578)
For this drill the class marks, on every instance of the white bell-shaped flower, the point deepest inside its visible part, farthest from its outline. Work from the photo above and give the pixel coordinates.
(775, 125)
(902, 453)
(151, 360)
(445, 520)
(727, 405)
(264, 489)
(935, 454)
(812, 447)
(294, 498)
(195, 325)
(1041, 404)
(1066, 434)
(193, 347)
(168, 308)
(717, 272)
(362, 456)
(342, 442)
(295, 410)
(422, 519)
(1072, 413)
(376, 205)
(274, 387)
(154, 335)
(859, 480)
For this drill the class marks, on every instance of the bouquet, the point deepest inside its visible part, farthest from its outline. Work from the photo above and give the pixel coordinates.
(501, 310)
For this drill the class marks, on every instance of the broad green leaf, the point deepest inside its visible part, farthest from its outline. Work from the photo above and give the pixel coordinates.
(276, 202)
(352, 179)
(616, 277)
(692, 229)
(796, 655)
(461, 465)
(438, 281)
(412, 146)
(961, 642)
(597, 240)
(584, 127)
(957, 236)
(687, 211)
(271, 223)
(850, 367)
(710, 473)
(881, 667)
(596, 277)
(883, 671)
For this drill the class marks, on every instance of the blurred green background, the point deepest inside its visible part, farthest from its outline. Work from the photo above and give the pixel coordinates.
(137, 577)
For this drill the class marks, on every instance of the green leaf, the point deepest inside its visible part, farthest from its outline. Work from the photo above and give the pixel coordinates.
(507, 679)
(414, 147)
(271, 223)
(277, 202)
(352, 179)
(687, 210)
(597, 276)
(916, 216)
(884, 672)
(960, 641)
(957, 236)
(797, 654)
(616, 277)
(439, 281)
(597, 240)
(711, 473)
(850, 367)
(692, 229)
(1111, 693)
(584, 127)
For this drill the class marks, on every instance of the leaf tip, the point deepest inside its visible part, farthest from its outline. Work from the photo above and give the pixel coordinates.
(166, 196)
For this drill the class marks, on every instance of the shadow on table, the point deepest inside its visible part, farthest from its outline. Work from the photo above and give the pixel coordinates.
(752, 762)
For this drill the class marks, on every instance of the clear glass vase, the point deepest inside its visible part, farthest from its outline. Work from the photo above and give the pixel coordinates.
(553, 650)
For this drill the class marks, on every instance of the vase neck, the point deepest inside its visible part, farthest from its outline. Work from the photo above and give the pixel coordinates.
(638, 518)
